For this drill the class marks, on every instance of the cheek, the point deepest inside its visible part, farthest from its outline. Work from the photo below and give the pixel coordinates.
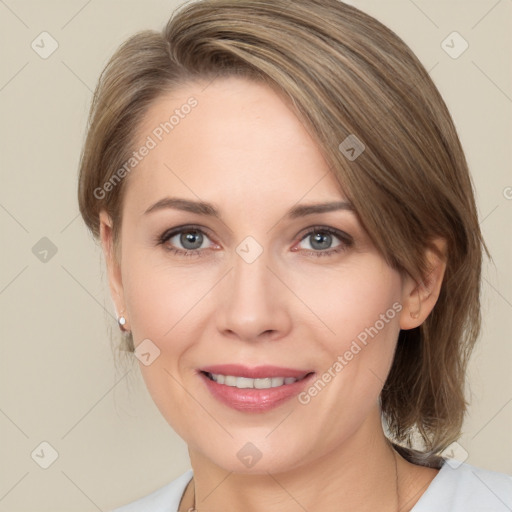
(161, 299)
(167, 306)
(352, 300)
(358, 310)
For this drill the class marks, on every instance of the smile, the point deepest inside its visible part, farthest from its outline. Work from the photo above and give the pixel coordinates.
(254, 389)
(248, 383)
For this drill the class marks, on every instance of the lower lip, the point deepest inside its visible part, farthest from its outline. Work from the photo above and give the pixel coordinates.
(254, 400)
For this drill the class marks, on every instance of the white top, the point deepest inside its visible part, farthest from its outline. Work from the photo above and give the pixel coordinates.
(456, 488)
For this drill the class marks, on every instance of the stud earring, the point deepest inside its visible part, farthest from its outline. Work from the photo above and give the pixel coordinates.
(121, 321)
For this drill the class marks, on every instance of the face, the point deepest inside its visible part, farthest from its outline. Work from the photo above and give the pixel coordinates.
(254, 293)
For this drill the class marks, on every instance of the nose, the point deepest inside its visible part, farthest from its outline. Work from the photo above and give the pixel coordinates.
(253, 302)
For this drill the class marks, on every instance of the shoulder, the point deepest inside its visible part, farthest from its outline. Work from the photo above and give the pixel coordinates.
(164, 499)
(460, 487)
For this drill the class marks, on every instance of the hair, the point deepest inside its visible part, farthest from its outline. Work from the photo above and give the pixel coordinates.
(345, 74)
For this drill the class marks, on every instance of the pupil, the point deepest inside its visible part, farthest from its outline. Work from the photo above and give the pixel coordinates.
(191, 237)
(321, 241)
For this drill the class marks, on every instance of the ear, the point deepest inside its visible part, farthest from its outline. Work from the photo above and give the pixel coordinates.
(113, 267)
(418, 299)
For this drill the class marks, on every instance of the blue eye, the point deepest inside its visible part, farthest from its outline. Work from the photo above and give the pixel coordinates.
(188, 241)
(321, 239)
(189, 237)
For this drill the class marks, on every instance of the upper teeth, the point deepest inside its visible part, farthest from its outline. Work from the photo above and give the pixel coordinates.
(245, 382)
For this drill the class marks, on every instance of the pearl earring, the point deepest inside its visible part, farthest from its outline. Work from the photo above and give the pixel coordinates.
(121, 321)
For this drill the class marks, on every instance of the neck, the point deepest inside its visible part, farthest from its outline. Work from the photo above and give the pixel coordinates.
(360, 475)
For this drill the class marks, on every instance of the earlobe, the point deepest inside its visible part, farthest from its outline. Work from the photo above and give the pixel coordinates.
(113, 268)
(419, 298)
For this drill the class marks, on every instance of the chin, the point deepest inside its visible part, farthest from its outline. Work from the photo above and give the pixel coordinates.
(256, 457)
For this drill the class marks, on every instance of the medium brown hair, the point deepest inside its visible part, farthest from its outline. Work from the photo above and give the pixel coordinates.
(345, 74)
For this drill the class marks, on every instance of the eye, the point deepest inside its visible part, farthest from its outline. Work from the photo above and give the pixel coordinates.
(321, 238)
(191, 240)
(184, 241)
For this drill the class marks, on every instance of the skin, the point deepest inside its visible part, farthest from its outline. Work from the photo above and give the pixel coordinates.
(244, 150)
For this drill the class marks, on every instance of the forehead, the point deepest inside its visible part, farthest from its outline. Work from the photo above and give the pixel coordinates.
(231, 140)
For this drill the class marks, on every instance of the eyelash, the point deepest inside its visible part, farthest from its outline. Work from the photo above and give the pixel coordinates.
(345, 239)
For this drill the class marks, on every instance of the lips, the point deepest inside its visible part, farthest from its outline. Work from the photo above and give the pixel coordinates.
(256, 389)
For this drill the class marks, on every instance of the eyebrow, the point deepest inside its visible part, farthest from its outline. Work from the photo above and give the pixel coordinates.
(207, 209)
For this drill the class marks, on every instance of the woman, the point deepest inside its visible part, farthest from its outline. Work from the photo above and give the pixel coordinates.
(294, 253)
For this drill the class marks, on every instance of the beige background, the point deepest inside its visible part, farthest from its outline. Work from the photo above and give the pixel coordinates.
(58, 380)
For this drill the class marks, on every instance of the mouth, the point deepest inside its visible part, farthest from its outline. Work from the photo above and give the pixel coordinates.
(249, 383)
(256, 389)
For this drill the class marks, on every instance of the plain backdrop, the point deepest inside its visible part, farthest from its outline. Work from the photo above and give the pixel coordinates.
(58, 381)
